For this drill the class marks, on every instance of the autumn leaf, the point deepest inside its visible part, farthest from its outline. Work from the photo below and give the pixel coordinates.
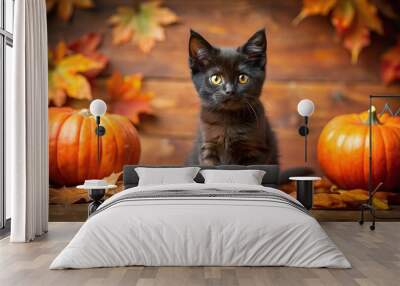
(71, 65)
(368, 15)
(65, 8)
(356, 39)
(87, 45)
(142, 27)
(113, 178)
(65, 75)
(314, 7)
(380, 204)
(390, 64)
(353, 21)
(127, 97)
(387, 8)
(343, 16)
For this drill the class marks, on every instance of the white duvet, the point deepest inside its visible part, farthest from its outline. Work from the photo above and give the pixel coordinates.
(200, 231)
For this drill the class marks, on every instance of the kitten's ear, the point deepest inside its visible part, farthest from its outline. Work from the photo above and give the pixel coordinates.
(255, 47)
(200, 50)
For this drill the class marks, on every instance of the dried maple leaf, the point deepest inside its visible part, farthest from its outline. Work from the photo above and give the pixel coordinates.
(65, 75)
(352, 19)
(113, 178)
(143, 27)
(65, 8)
(87, 45)
(314, 7)
(367, 14)
(342, 16)
(388, 8)
(127, 97)
(390, 64)
(365, 20)
(355, 39)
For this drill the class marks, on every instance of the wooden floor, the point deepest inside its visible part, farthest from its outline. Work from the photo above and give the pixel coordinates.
(375, 257)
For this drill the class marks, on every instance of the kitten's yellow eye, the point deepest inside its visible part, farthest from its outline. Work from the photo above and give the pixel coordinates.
(243, 79)
(216, 79)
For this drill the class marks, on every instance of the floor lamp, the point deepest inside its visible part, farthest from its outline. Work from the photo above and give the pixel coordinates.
(373, 189)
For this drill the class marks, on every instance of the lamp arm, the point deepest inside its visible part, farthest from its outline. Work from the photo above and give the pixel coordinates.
(98, 138)
(305, 138)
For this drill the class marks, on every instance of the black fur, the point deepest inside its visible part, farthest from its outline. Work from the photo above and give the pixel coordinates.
(233, 127)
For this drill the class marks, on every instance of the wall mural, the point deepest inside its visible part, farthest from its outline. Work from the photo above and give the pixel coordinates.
(134, 55)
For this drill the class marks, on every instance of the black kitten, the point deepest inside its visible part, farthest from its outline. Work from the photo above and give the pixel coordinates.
(233, 128)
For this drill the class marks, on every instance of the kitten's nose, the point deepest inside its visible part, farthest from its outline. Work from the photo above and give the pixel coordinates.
(228, 89)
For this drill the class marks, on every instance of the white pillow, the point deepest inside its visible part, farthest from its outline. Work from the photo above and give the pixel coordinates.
(248, 177)
(165, 176)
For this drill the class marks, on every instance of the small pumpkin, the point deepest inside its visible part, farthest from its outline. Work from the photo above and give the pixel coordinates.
(73, 146)
(343, 150)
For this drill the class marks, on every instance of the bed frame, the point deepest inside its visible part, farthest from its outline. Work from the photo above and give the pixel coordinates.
(271, 177)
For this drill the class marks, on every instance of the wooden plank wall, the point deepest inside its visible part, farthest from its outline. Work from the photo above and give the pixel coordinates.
(303, 62)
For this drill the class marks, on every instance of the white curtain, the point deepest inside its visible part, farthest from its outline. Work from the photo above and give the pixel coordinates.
(26, 124)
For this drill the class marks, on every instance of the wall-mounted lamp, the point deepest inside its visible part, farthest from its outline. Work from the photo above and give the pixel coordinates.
(305, 108)
(98, 107)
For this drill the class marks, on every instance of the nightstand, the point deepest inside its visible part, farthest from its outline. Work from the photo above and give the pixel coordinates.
(96, 191)
(305, 190)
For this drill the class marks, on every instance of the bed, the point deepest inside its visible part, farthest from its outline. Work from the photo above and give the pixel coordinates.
(198, 224)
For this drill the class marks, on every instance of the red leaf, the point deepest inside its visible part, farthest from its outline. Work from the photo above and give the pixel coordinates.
(342, 16)
(353, 20)
(127, 97)
(87, 45)
(390, 64)
(132, 108)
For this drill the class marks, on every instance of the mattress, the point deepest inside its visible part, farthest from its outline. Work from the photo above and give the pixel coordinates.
(201, 225)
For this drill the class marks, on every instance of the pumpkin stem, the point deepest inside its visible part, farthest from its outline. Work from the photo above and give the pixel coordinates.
(372, 116)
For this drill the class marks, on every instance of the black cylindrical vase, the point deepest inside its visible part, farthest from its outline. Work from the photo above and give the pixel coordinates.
(305, 193)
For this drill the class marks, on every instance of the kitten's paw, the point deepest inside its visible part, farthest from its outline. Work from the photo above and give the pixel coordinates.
(209, 162)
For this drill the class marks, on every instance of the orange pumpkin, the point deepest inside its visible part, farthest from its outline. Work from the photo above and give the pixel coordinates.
(73, 146)
(343, 150)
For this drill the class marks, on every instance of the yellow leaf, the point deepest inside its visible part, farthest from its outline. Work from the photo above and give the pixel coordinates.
(65, 78)
(65, 8)
(343, 15)
(380, 204)
(59, 52)
(314, 7)
(368, 15)
(356, 39)
(143, 27)
(77, 63)
(113, 178)
(354, 198)
(328, 201)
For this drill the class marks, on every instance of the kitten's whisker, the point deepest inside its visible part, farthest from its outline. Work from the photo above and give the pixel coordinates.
(254, 112)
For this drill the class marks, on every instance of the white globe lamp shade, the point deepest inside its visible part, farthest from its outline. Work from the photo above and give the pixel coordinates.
(98, 107)
(305, 108)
